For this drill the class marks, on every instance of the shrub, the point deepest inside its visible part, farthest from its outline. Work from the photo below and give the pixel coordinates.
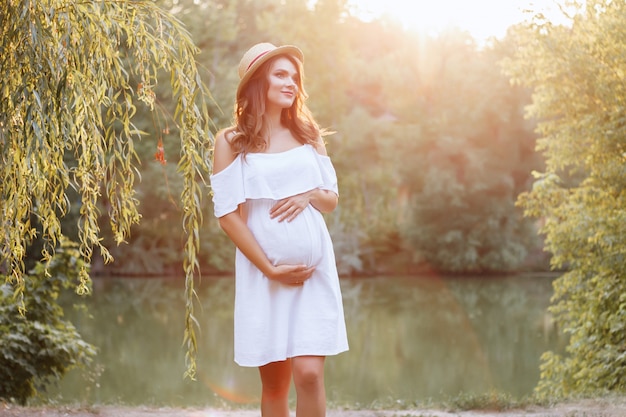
(37, 346)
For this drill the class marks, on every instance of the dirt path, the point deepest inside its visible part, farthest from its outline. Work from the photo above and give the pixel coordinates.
(585, 408)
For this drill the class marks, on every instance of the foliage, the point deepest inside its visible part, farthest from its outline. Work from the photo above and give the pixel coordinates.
(74, 74)
(431, 147)
(395, 100)
(463, 153)
(577, 73)
(154, 248)
(39, 347)
(84, 81)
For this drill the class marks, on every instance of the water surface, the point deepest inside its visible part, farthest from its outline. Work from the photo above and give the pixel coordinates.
(412, 339)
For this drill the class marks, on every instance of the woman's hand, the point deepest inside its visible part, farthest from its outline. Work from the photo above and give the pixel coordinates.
(240, 234)
(289, 208)
(291, 274)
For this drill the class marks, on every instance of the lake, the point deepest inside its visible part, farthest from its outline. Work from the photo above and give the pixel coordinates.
(412, 339)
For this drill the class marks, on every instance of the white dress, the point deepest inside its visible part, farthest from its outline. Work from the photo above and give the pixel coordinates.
(273, 321)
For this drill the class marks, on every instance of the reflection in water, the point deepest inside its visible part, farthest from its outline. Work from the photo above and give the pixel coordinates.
(411, 339)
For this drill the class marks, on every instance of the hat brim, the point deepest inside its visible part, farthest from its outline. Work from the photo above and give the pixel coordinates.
(290, 50)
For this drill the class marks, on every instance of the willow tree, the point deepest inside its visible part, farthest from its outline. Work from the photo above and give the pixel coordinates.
(73, 74)
(578, 74)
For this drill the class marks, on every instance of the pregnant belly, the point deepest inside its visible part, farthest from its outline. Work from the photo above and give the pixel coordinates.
(296, 242)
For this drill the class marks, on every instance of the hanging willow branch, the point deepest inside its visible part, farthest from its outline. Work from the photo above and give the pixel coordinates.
(72, 75)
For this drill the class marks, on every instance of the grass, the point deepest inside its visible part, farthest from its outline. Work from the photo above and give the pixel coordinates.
(492, 401)
(489, 401)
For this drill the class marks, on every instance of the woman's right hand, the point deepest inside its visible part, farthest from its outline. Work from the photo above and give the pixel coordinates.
(291, 274)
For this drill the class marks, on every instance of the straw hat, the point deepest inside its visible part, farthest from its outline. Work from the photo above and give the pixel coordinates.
(260, 53)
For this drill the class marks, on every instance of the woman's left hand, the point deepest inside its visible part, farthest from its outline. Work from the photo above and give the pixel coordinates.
(289, 208)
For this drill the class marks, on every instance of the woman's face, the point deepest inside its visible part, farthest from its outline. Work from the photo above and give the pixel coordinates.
(282, 80)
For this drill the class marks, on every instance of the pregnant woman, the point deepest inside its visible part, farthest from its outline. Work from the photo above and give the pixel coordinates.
(272, 180)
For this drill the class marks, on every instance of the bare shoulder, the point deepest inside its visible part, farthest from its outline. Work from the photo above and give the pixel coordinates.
(223, 154)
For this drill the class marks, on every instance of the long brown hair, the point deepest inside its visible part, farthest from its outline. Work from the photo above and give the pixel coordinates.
(249, 128)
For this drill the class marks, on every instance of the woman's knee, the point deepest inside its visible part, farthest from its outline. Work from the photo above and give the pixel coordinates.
(308, 371)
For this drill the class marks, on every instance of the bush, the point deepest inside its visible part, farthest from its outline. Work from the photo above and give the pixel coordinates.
(580, 198)
(37, 346)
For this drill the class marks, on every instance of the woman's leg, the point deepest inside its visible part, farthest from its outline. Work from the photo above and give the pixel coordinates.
(308, 377)
(275, 380)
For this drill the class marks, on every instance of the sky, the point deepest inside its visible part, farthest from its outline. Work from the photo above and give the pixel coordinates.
(481, 18)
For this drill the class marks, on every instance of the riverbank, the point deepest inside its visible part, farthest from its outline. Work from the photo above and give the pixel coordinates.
(609, 407)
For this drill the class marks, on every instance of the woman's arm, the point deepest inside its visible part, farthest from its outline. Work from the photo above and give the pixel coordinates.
(323, 200)
(289, 208)
(237, 230)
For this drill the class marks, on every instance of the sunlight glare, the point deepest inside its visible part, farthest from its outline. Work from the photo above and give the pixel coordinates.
(483, 19)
